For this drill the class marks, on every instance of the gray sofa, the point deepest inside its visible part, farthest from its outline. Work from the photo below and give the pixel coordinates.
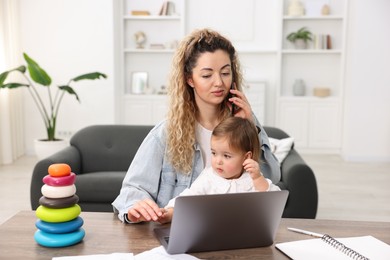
(100, 156)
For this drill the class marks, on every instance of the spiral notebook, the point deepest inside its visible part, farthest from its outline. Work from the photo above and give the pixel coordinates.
(327, 247)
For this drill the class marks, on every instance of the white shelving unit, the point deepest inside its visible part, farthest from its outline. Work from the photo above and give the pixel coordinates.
(162, 30)
(270, 63)
(314, 122)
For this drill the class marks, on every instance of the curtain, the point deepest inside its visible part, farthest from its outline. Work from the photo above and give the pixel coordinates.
(11, 101)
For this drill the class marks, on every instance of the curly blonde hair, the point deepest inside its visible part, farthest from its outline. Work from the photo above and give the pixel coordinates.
(183, 110)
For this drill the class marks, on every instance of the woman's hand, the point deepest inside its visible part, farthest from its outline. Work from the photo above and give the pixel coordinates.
(145, 210)
(243, 108)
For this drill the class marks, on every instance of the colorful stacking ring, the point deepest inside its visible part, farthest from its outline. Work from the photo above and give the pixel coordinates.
(59, 240)
(56, 192)
(60, 181)
(59, 170)
(59, 203)
(60, 228)
(58, 215)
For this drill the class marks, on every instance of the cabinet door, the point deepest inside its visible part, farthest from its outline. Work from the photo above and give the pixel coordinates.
(255, 93)
(137, 112)
(294, 118)
(160, 109)
(324, 127)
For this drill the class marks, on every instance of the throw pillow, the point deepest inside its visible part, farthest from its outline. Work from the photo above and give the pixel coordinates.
(280, 148)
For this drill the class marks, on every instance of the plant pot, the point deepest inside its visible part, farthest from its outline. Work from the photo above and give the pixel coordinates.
(300, 44)
(44, 148)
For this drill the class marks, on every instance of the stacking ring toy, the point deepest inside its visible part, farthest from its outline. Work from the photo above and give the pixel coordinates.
(60, 181)
(59, 203)
(59, 240)
(56, 192)
(60, 228)
(59, 170)
(58, 215)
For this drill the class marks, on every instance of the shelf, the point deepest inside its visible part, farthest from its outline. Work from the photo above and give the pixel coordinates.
(254, 51)
(310, 51)
(312, 18)
(151, 17)
(147, 50)
(309, 98)
(145, 96)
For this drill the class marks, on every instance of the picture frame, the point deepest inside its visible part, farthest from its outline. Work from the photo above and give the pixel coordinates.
(139, 82)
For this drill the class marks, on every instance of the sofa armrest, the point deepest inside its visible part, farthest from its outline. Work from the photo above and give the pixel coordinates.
(299, 180)
(70, 155)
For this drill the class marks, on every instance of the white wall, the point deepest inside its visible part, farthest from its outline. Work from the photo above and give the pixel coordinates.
(367, 97)
(69, 38)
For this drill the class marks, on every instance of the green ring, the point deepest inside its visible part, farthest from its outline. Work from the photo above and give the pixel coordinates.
(58, 215)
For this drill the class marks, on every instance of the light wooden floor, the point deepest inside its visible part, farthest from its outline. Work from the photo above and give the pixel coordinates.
(349, 191)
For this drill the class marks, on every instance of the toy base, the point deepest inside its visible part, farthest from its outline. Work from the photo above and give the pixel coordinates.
(59, 240)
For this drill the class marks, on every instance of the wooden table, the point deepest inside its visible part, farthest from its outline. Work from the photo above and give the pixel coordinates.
(106, 234)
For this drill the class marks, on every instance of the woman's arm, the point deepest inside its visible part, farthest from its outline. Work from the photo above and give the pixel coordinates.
(141, 182)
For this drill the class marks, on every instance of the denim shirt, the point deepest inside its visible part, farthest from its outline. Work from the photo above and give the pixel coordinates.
(152, 176)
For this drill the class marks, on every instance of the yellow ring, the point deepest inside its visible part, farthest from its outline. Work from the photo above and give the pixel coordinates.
(58, 215)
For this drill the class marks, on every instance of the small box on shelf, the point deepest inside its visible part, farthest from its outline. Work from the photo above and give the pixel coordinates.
(321, 92)
(140, 12)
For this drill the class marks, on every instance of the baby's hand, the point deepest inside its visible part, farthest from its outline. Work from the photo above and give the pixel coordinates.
(166, 217)
(253, 168)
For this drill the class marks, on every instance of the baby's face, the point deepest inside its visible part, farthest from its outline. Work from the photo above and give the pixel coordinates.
(225, 161)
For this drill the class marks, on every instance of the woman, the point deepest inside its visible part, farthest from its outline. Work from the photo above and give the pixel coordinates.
(204, 88)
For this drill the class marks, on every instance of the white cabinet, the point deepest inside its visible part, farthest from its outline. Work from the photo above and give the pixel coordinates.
(153, 57)
(144, 109)
(255, 93)
(315, 124)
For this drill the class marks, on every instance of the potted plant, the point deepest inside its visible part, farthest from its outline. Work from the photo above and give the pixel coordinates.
(300, 38)
(49, 110)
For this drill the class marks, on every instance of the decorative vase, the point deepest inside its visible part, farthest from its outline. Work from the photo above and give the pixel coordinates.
(296, 8)
(299, 88)
(325, 10)
(44, 148)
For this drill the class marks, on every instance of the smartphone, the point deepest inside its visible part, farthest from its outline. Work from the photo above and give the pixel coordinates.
(230, 96)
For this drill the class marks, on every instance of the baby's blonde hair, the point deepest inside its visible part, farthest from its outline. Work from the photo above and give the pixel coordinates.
(182, 107)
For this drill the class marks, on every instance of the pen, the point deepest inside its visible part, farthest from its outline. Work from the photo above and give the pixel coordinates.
(305, 232)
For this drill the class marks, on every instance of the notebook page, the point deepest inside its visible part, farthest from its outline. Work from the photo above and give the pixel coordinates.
(317, 249)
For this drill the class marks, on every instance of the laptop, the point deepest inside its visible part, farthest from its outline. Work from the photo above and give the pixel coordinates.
(223, 221)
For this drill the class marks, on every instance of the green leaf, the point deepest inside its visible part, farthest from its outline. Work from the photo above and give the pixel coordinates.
(21, 68)
(91, 76)
(3, 76)
(14, 85)
(36, 72)
(70, 91)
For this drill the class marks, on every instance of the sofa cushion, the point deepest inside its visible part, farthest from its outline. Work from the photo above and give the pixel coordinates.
(281, 147)
(99, 186)
(108, 147)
